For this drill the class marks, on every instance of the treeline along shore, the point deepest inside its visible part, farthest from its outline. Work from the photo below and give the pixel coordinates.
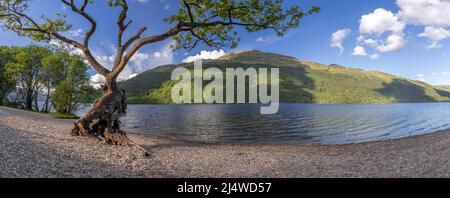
(44, 79)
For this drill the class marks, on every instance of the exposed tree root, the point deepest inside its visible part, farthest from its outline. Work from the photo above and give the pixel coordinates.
(103, 120)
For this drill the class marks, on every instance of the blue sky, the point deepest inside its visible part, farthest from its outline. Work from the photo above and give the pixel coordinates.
(409, 38)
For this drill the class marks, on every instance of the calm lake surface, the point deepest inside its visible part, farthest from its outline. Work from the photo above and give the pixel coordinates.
(294, 124)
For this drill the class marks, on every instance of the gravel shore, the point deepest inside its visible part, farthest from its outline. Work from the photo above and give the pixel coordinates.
(36, 145)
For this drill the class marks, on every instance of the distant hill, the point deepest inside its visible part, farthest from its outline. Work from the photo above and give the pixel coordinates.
(300, 81)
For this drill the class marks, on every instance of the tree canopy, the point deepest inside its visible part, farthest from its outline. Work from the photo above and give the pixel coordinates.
(25, 71)
(67, 78)
(6, 85)
(31, 73)
(208, 21)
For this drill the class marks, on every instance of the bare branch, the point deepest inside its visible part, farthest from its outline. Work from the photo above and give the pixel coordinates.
(144, 41)
(194, 21)
(122, 27)
(121, 21)
(134, 38)
(85, 46)
(182, 26)
(88, 17)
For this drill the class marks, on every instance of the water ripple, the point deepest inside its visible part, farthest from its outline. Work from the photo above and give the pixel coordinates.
(294, 124)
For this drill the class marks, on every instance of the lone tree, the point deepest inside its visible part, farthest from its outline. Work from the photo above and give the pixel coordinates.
(197, 21)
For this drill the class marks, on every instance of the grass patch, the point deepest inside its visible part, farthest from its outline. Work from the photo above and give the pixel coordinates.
(63, 115)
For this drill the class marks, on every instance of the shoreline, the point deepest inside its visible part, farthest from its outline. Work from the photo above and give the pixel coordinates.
(168, 137)
(36, 145)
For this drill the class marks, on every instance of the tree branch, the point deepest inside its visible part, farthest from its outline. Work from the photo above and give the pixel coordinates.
(198, 17)
(188, 7)
(182, 26)
(144, 41)
(82, 12)
(85, 46)
(122, 28)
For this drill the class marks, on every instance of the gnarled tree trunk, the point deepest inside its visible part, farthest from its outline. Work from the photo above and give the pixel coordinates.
(103, 119)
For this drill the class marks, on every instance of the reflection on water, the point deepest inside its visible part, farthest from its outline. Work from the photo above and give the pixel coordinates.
(294, 124)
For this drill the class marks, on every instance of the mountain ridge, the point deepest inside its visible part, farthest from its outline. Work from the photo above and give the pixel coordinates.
(300, 81)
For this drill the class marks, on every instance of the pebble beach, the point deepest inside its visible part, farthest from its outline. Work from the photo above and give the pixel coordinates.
(39, 146)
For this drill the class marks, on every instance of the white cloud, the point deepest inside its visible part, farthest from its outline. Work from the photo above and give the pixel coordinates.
(393, 43)
(108, 62)
(72, 50)
(383, 30)
(75, 33)
(164, 54)
(97, 80)
(262, 39)
(380, 21)
(338, 37)
(374, 56)
(157, 54)
(133, 75)
(425, 12)
(105, 60)
(167, 6)
(266, 39)
(360, 38)
(421, 77)
(166, 57)
(441, 73)
(205, 55)
(435, 35)
(373, 28)
(359, 51)
(371, 42)
(143, 61)
(139, 63)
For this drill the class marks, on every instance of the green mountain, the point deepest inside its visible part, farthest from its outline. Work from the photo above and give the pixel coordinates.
(300, 81)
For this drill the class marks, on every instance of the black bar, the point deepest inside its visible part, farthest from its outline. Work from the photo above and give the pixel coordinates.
(219, 187)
